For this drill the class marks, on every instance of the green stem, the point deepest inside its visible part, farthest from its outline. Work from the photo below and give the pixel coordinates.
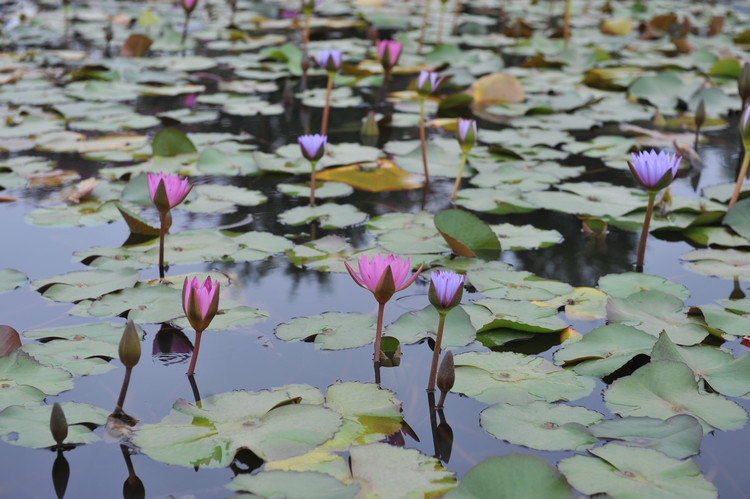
(162, 231)
(124, 389)
(197, 347)
(644, 232)
(312, 183)
(324, 125)
(740, 178)
(424, 26)
(379, 332)
(436, 353)
(422, 139)
(458, 179)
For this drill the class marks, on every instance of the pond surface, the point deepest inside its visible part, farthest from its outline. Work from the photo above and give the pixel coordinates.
(284, 286)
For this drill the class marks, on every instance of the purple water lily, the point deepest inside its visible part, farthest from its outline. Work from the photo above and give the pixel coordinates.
(654, 171)
(330, 60)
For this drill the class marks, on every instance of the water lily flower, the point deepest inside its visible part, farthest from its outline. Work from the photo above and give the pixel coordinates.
(189, 5)
(200, 303)
(167, 191)
(313, 147)
(745, 136)
(428, 82)
(383, 277)
(388, 53)
(745, 129)
(654, 171)
(446, 291)
(330, 60)
(308, 6)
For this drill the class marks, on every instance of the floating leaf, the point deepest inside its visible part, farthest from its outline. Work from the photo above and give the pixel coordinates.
(492, 313)
(664, 388)
(87, 284)
(628, 283)
(510, 476)
(726, 264)
(80, 358)
(467, 235)
(386, 176)
(412, 327)
(579, 304)
(520, 237)
(678, 437)
(30, 425)
(331, 330)
(210, 435)
(171, 142)
(542, 426)
(499, 282)
(330, 215)
(20, 369)
(9, 340)
(10, 279)
(293, 485)
(516, 379)
(498, 88)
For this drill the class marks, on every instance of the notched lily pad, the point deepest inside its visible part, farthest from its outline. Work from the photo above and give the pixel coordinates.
(30, 425)
(330, 330)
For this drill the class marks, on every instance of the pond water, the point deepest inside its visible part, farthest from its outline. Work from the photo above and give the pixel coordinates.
(251, 357)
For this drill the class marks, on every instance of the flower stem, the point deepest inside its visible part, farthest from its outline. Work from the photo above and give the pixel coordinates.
(306, 37)
(422, 140)
(379, 332)
(740, 178)
(324, 125)
(197, 347)
(424, 26)
(124, 389)
(458, 179)
(312, 183)
(436, 353)
(162, 231)
(440, 24)
(383, 86)
(644, 232)
(185, 28)
(457, 13)
(566, 24)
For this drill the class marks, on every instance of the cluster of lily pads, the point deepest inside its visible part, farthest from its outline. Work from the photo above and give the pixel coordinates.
(560, 99)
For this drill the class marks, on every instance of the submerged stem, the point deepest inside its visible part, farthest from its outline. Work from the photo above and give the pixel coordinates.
(422, 140)
(740, 178)
(458, 179)
(436, 353)
(644, 232)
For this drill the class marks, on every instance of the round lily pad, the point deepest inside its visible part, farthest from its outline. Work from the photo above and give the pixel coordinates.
(29, 426)
(331, 330)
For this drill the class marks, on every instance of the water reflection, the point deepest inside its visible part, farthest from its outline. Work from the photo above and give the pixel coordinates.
(171, 345)
(133, 487)
(442, 434)
(60, 474)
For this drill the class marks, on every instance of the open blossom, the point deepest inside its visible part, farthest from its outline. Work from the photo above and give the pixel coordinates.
(330, 60)
(654, 171)
(446, 289)
(389, 52)
(428, 82)
(383, 276)
(466, 133)
(200, 302)
(167, 191)
(313, 146)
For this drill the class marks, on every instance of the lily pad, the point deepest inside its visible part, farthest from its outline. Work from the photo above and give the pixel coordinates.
(331, 330)
(510, 476)
(516, 379)
(628, 283)
(80, 357)
(10, 279)
(520, 237)
(540, 425)
(171, 142)
(499, 282)
(87, 284)
(412, 327)
(678, 437)
(19, 369)
(211, 434)
(29, 426)
(383, 176)
(293, 485)
(621, 471)
(664, 388)
(726, 264)
(330, 215)
(492, 313)
(467, 235)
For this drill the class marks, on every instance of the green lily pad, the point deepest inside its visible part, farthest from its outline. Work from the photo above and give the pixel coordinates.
(723, 323)
(211, 434)
(726, 264)
(718, 368)
(628, 283)
(492, 313)
(330, 215)
(520, 237)
(653, 312)
(331, 330)
(10, 279)
(510, 476)
(737, 218)
(323, 190)
(540, 425)
(19, 369)
(605, 349)
(580, 304)
(714, 236)
(514, 378)
(597, 199)
(325, 254)
(414, 326)
(100, 331)
(171, 142)
(664, 388)
(29, 426)
(86, 284)
(293, 485)
(467, 235)
(85, 214)
(499, 282)
(214, 198)
(621, 471)
(142, 304)
(661, 90)
(678, 437)
(79, 357)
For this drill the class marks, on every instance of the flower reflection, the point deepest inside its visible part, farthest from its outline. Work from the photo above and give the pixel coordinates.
(171, 346)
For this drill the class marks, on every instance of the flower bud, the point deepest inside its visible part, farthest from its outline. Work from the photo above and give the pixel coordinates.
(466, 133)
(700, 114)
(58, 425)
(745, 128)
(743, 83)
(130, 346)
(446, 375)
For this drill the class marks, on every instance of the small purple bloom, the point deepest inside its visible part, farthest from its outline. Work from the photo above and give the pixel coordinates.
(330, 60)
(313, 146)
(654, 171)
(428, 82)
(466, 133)
(446, 286)
(389, 52)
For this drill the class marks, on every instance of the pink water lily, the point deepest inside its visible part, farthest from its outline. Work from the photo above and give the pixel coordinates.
(388, 53)
(200, 303)
(330, 60)
(189, 5)
(654, 171)
(174, 190)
